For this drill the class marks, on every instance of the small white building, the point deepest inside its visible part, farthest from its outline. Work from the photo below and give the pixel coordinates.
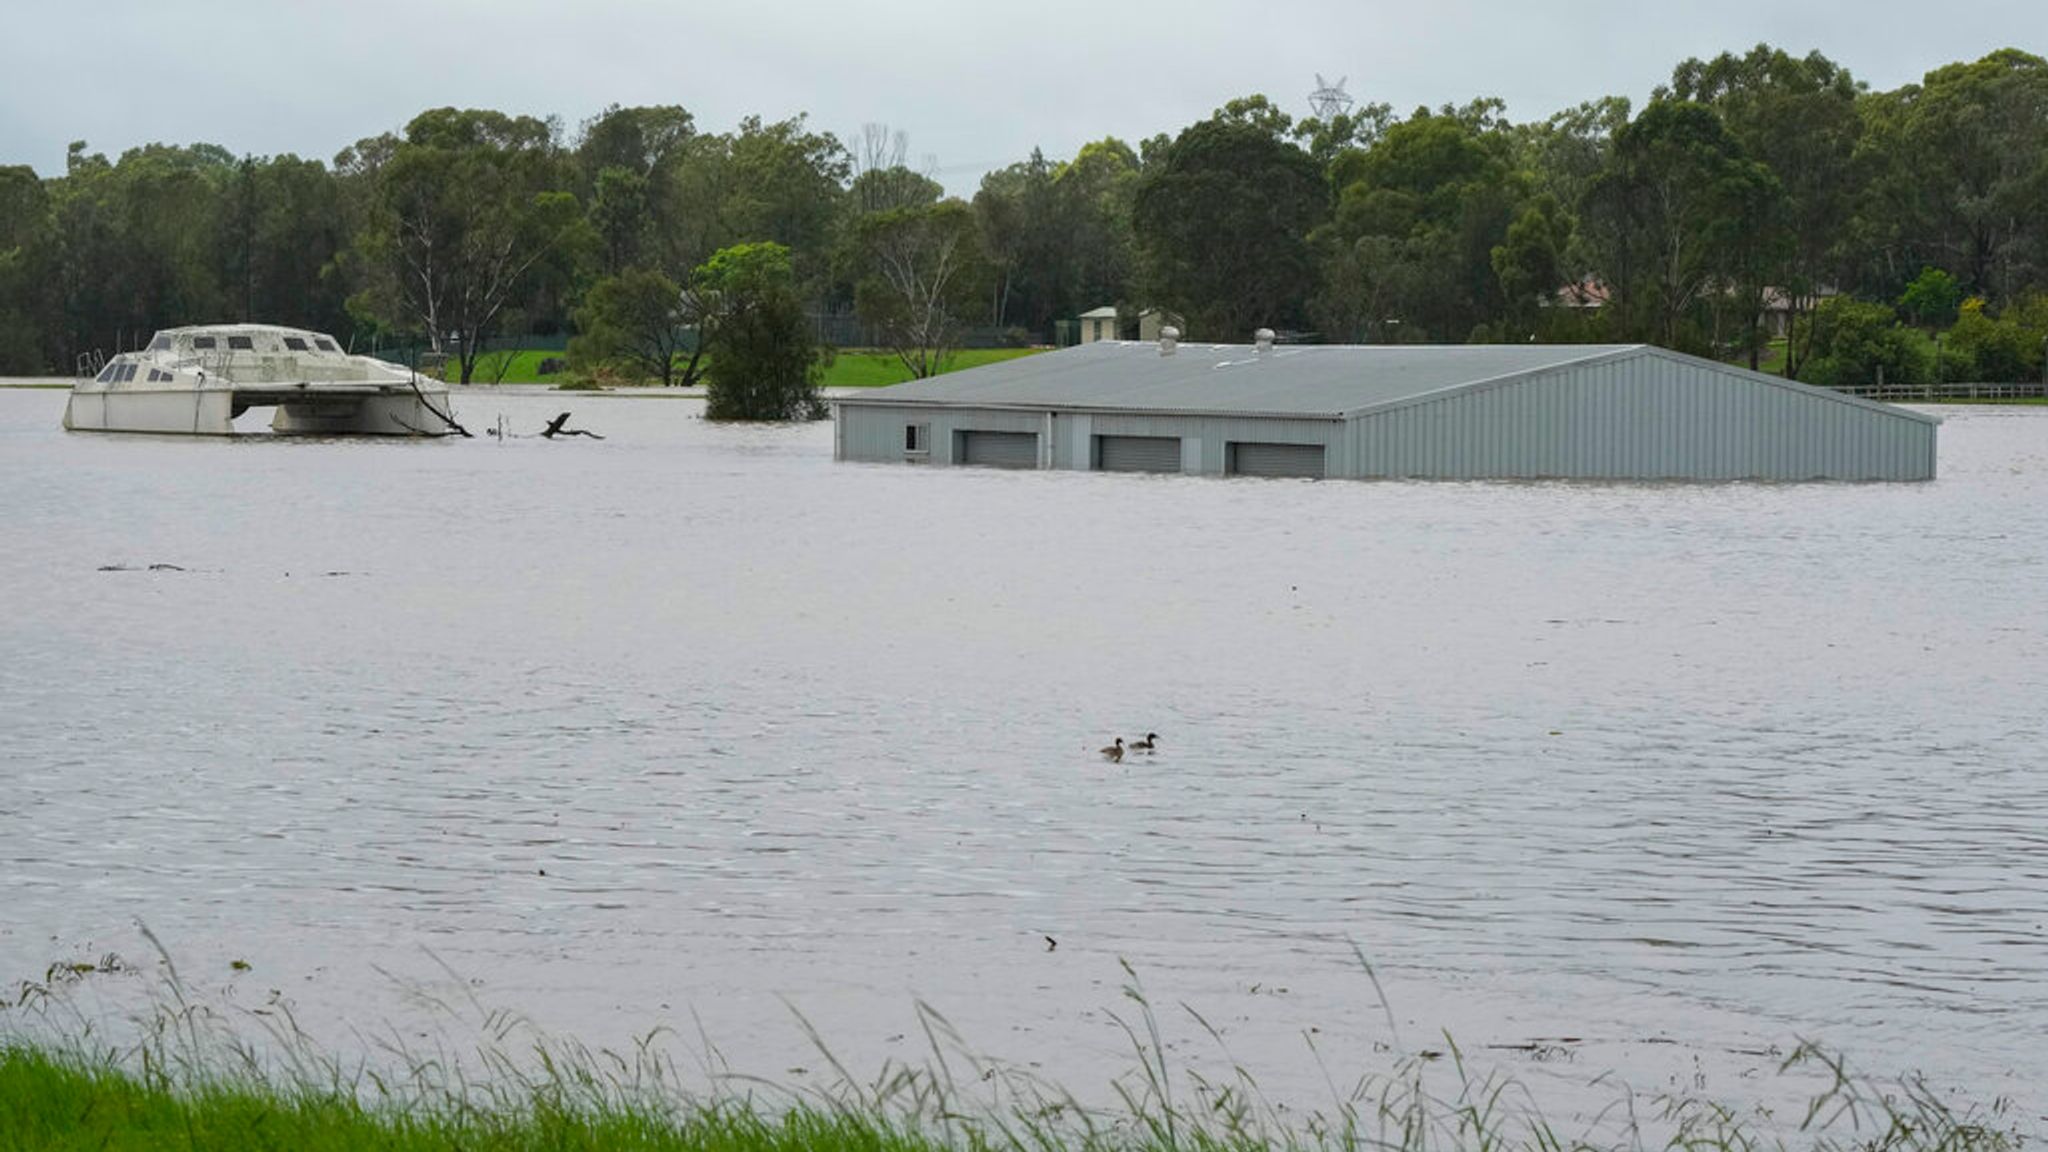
(1098, 324)
(1105, 323)
(1153, 320)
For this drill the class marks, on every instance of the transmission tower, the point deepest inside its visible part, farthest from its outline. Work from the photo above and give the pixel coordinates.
(1329, 101)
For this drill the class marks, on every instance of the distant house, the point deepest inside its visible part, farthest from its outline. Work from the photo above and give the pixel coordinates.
(1778, 308)
(1586, 294)
(1098, 324)
(1590, 295)
(1105, 323)
(1151, 320)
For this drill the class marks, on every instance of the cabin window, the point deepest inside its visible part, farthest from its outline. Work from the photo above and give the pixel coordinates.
(160, 344)
(917, 438)
(107, 374)
(127, 374)
(242, 342)
(202, 343)
(326, 345)
(296, 344)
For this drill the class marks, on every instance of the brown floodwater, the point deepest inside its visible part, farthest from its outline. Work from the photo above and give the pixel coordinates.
(691, 725)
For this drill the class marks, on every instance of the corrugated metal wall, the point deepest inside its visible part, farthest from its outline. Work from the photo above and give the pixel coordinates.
(874, 432)
(1642, 417)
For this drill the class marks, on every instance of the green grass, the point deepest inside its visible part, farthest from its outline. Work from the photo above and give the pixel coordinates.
(521, 366)
(52, 1103)
(188, 1081)
(59, 1101)
(865, 369)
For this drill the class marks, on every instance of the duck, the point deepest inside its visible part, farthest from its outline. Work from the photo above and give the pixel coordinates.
(1150, 742)
(1114, 753)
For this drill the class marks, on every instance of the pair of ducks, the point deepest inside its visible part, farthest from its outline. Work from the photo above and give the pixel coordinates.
(1114, 753)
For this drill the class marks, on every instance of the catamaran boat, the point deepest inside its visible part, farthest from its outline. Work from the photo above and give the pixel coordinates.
(198, 380)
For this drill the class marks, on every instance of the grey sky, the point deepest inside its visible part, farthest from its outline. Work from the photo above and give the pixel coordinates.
(975, 85)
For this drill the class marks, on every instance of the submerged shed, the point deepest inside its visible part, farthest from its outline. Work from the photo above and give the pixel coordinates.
(1611, 412)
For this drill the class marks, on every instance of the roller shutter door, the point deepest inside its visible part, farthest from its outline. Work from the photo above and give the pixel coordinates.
(999, 449)
(1277, 460)
(1137, 453)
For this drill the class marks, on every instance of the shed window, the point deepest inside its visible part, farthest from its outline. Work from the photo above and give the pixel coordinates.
(326, 345)
(296, 344)
(917, 438)
(202, 343)
(242, 342)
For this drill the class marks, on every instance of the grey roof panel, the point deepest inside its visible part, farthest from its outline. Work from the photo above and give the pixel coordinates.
(1326, 380)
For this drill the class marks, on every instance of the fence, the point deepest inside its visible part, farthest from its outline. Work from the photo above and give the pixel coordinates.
(2035, 390)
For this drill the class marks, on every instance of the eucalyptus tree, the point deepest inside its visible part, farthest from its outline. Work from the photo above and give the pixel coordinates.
(30, 315)
(785, 184)
(637, 320)
(141, 241)
(1418, 216)
(1798, 117)
(1094, 196)
(1962, 164)
(1221, 220)
(284, 238)
(920, 282)
(1679, 215)
(468, 214)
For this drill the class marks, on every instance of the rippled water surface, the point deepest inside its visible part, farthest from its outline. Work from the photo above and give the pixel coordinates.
(692, 721)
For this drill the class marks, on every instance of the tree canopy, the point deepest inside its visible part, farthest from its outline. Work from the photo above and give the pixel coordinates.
(1721, 217)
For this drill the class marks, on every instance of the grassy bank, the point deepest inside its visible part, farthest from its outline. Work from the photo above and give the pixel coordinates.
(59, 1104)
(853, 368)
(64, 1101)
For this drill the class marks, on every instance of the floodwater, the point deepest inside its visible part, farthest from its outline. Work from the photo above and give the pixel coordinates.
(692, 726)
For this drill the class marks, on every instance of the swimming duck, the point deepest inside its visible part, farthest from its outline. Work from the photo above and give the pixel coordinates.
(1114, 753)
(1147, 744)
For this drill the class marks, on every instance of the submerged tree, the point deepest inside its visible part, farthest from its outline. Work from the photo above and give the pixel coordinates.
(765, 364)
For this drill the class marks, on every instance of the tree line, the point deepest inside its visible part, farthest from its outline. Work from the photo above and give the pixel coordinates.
(1761, 207)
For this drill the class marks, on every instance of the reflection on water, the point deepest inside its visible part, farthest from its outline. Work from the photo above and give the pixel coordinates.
(693, 718)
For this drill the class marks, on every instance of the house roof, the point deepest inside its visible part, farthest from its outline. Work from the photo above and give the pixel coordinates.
(1106, 312)
(1310, 381)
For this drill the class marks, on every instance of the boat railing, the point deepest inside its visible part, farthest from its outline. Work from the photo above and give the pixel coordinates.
(89, 364)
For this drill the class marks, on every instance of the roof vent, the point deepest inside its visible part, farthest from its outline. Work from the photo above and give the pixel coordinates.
(1169, 339)
(1263, 339)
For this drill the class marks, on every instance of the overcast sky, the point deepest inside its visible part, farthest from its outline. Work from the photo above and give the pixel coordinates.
(974, 84)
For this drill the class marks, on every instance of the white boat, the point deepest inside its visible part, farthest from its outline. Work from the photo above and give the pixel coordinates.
(198, 380)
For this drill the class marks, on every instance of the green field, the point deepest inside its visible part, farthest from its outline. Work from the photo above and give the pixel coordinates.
(864, 369)
(854, 368)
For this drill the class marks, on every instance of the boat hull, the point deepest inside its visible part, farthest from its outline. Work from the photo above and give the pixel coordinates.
(207, 412)
(212, 412)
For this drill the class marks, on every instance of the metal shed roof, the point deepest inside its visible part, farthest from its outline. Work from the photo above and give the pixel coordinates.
(1330, 381)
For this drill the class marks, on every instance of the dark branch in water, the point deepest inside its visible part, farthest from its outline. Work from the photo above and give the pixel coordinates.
(440, 414)
(556, 427)
(418, 431)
